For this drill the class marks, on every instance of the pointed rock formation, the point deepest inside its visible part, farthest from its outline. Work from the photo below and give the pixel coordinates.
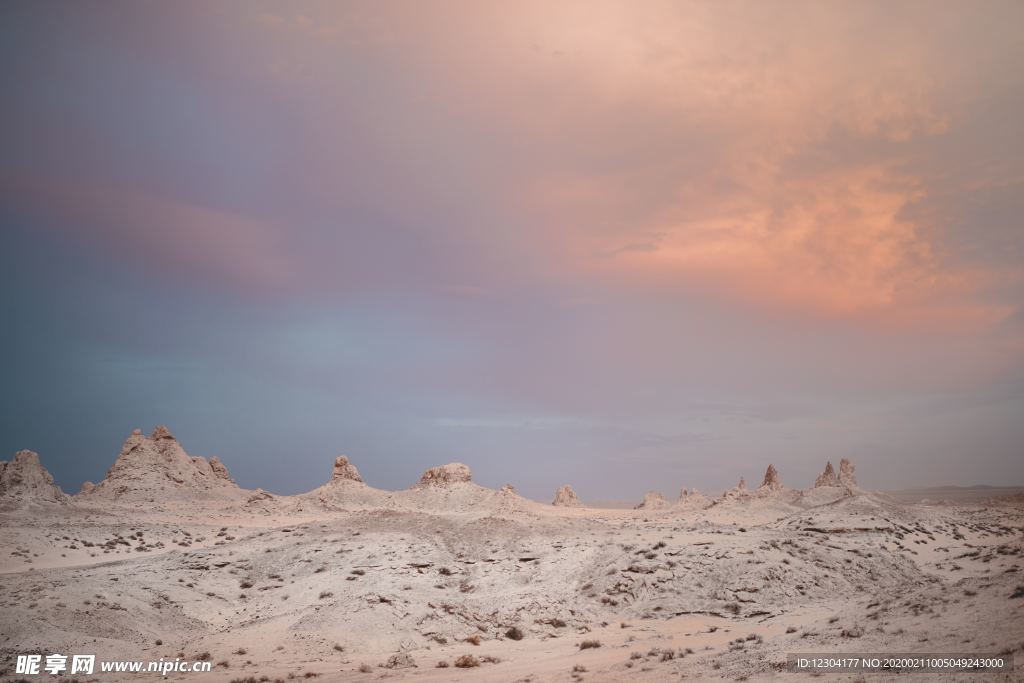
(452, 473)
(846, 476)
(566, 497)
(827, 478)
(652, 501)
(24, 479)
(345, 471)
(771, 480)
(154, 467)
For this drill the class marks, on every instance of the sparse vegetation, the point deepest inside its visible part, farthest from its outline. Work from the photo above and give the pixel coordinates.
(467, 662)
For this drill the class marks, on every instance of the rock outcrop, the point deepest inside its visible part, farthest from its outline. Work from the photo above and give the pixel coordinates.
(846, 476)
(566, 497)
(692, 498)
(740, 491)
(260, 496)
(771, 480)
(151, 468)
(827, 478)
(218, 468)
(24, 479)
(452, 473)
(652, 501)
(345, 471)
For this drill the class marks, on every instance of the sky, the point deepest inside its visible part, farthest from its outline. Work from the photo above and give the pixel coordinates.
(621, 245)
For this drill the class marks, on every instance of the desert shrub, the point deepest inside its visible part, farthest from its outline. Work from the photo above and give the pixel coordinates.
(326, 594)
(590, 644)
(514, 633)
(467, 662)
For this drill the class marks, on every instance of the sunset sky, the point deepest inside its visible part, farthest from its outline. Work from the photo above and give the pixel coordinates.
(626, 246)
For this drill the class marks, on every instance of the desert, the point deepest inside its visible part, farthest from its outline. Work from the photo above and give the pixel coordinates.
(167, 558)
(547, 341)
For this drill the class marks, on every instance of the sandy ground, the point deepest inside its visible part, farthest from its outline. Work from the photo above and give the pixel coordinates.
(359, 592)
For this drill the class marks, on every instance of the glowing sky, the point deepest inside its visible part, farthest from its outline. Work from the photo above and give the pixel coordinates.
(621, 245)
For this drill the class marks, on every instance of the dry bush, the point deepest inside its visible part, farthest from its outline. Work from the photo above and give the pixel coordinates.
(467, 662)
(590, 644)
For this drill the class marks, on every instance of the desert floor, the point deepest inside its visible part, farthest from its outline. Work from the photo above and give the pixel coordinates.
(402, 593)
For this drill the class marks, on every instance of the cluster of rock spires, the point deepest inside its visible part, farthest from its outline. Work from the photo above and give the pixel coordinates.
(147, 467)
(771, 488)
(845, 478)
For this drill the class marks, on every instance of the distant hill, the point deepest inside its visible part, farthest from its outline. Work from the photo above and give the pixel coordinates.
(954, 494)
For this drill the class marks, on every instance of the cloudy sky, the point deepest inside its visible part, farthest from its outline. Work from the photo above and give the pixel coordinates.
(627, 246)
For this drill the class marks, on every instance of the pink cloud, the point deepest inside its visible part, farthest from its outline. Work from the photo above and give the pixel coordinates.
(181, 238)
